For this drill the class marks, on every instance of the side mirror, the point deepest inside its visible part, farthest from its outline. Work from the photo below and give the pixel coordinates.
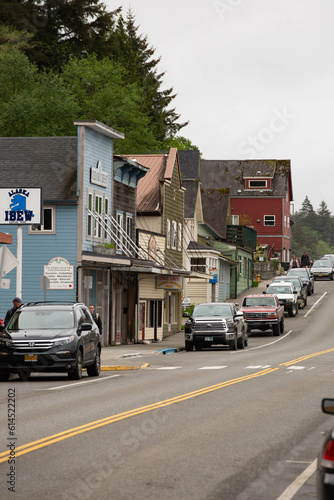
(239, 314)
(85, 327)
(264, 292)
(295, 291)
(185, 314)
(327, 406)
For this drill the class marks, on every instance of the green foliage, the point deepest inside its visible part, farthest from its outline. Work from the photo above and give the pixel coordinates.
(313, 231)
(181, 143)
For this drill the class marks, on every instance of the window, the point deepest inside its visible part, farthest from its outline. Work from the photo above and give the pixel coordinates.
(269, 220)
(154, 313)
(173, 234)
(198, 265)
(180, 238)
(235, 220)
(128, 229)
(257, 184)
(119, 235)
(168, 234)
(98, 209)
(106, 208)
(89, 218)
(48, 225)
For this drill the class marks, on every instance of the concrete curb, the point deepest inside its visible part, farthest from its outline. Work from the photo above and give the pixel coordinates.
(123, 367)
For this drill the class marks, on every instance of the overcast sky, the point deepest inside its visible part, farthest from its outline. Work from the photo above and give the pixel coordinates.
(255, 79)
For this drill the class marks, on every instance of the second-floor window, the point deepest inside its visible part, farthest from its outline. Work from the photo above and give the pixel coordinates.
(269, 220)
(235, 220)
(119, 235)
(128, 229)
(173, 234)
(98, 209)
(198, 265)
(179, 239)
(48, 225)
(168, 234)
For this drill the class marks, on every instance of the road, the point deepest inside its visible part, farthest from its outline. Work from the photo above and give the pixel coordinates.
(211, 424)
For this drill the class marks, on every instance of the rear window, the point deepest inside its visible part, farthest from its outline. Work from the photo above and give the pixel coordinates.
(259, 301)
(49, 319)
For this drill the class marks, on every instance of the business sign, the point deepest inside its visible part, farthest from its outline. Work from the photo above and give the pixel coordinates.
(21, 206)
(169, 282)
(214, 274)
(99, 176)
(60, 274)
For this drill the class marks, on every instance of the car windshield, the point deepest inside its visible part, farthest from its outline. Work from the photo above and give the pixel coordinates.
(294, 281)
(259, 301)
(299, 272)
(279, 289)
(48, 319)
(211, 310)
(321, 263)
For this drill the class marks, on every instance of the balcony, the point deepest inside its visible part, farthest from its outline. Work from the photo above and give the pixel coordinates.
(242, 236)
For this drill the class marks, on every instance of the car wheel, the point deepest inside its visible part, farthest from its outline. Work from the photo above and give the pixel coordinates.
(233, 344)
(331, 277)
(246, 340)
(94, 369)
(276, 329)
(282, 326)
(241, 342)
(293, 311)
(4, 375)
(305, 301)
(24, 373)
(189, 346)
(76, 374)
(302, 304)
(248, 329)
(309, 291)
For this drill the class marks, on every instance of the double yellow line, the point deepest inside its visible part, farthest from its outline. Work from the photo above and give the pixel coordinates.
(75, 431)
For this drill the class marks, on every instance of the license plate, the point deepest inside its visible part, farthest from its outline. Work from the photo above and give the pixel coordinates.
(209, 339)
(30, 357)
(320, 274)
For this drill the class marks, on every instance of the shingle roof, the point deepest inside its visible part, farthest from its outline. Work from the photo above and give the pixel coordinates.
(232, 174)
(190, 197)
(215, 204)
(46, 162)
(189, 162)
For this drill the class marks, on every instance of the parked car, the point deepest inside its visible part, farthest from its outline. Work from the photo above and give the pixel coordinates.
(50, 337)
(215, 324)
(263, 312)
(322, 268)
(329, 256)
(287, 296)
(325, 470)
(300, 286)
(305, 274)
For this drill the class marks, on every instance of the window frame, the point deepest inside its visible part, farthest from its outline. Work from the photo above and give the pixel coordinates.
(31, 229)
(266, 222)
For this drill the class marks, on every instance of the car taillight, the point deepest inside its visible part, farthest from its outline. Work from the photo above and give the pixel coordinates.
(2, 323)
(329, 451)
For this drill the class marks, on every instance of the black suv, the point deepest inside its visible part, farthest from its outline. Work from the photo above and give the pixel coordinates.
(215, 324)
(50, 337)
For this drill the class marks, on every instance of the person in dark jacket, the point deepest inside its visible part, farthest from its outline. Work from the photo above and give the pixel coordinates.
(17, 303)
(96, 317)
(305, 261)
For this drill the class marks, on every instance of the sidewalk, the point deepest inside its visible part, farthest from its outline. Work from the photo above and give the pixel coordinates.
(130, 357)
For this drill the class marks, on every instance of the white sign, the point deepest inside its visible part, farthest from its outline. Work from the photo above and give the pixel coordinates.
(21, 206)
(98, 176)
(169, 282)
(7, 261)
(60, 273)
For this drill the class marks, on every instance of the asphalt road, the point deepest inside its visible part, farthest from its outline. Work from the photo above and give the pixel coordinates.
(210, 425)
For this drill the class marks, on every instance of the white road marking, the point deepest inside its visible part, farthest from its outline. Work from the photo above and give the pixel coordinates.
(270, 343)
(296, 367)
(169, 368)
(68, 386)
(211, 367)
(257, 367)
(308, 312)
(298, 482)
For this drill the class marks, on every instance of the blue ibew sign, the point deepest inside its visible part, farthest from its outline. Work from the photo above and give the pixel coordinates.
(21, 206)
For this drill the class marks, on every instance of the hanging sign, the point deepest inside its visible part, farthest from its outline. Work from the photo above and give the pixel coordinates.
(169, 282)
(60, 274)
(21, 205)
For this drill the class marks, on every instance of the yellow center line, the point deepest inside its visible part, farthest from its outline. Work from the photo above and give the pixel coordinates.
(75, 431)
(55, 438)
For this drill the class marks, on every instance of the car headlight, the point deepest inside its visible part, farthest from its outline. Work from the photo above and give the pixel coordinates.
(64, 341)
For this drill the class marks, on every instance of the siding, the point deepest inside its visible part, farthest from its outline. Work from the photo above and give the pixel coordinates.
(173, 203)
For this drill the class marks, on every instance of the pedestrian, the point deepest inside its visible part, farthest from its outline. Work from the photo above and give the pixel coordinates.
(294, 262)
(305, 261)
(96, 317)
(17, 303)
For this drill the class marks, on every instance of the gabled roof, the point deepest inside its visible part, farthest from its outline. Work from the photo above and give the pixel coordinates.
(190, 197)
(215, 204)
(46, 162)
(161, 170)
(189, 162)
(232, 174)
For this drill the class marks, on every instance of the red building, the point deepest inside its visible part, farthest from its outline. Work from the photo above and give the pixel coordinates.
(260, 194)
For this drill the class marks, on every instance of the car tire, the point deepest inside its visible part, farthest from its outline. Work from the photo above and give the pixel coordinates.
(94, 369)
(24, 374)
(248, 329)
(4, 375)
(246, 340)
(241, 342)
(76, 373)
(331, 277)
(233, 344)
(302, 304)
(281, 326)
(189, 346)
(305, 301)
(276, 329)
(293, 311)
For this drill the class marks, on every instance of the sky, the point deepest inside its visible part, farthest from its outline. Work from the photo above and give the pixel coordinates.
(255, 79)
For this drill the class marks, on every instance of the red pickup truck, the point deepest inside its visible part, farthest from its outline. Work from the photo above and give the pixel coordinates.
(263, 312)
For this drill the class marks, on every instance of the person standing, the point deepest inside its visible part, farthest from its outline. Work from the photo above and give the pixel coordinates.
(96, 317)
(294, 262)
(305, 261)
(17, 303)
